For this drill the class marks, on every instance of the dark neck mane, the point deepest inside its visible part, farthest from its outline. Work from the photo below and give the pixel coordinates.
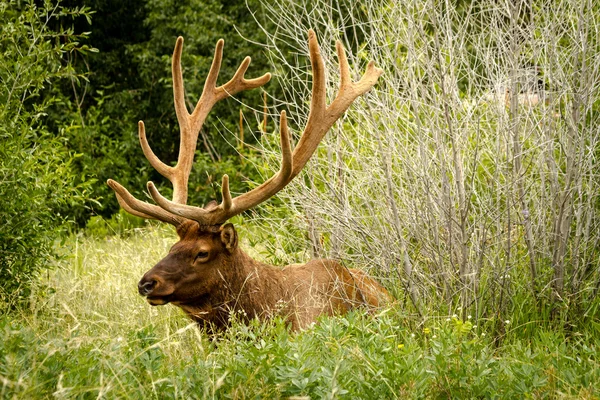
(249, 288)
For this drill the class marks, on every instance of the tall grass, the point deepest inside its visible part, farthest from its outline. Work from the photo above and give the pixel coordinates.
(89, 335)
(469, 175)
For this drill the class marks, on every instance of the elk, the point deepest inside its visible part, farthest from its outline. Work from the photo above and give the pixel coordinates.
(206, 273)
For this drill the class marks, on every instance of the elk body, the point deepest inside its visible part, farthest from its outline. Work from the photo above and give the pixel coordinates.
(206, 273)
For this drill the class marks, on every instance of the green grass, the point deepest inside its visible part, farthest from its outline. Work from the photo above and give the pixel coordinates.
(87, 334)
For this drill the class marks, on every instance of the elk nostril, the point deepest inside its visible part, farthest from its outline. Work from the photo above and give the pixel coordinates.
(146, 287)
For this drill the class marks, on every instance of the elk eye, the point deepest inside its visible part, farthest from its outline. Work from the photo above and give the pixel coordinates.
(202, 254)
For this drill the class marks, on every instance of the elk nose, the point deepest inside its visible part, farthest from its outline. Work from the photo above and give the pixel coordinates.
(146, 287)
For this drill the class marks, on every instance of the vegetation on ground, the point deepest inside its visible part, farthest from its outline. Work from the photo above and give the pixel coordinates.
(88, 334)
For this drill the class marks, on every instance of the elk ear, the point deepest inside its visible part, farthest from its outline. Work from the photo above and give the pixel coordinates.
(229, 237)
(210, 205)
(182, 229)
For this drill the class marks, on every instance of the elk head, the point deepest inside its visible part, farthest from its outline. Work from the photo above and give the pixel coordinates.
(194, 266)
(194, 269)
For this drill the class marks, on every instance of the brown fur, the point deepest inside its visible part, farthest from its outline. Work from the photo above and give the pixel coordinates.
(227, 280)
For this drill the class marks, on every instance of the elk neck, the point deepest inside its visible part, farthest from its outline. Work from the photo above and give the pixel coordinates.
(249, 288)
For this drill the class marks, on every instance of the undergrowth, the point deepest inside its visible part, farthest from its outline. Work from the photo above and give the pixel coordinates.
(87, 334)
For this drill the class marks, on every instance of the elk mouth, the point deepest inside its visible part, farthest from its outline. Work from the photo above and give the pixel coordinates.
(148, 289)
(157, 301)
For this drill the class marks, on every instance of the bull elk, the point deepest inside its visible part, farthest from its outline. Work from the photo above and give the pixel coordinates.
(206, 273)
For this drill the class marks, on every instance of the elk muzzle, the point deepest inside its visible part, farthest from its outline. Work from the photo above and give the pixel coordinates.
(145, 287)
(148, 287)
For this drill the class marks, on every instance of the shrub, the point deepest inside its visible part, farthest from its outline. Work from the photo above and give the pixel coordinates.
(468, 175)
(37, 182)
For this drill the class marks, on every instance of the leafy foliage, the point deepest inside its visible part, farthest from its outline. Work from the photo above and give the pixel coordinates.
(37, 179)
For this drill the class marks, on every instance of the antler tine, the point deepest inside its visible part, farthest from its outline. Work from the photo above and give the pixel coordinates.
(178, 88)
(226, 194)
(239, 82)
(345, 79)
(140, 208)
(158, 165)
(318, 102)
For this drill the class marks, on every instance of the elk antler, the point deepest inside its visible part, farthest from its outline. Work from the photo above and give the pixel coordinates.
(320, 120)
(190, 126)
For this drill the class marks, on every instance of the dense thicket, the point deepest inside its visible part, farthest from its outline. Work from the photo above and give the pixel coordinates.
(469, 176)
(37, 179)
